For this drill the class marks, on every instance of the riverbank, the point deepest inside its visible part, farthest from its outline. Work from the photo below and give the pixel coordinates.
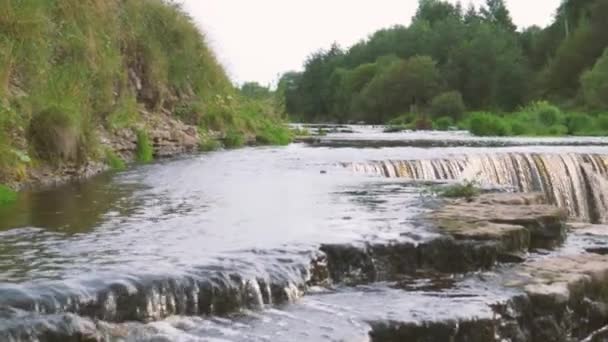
(84, 90)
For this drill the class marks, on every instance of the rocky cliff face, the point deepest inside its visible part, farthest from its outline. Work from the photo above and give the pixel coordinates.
(169, 137)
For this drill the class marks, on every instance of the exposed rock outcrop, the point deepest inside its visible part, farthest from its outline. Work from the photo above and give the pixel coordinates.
(168, 135)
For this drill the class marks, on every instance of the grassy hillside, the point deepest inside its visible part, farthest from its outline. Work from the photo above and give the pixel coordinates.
(69, 67)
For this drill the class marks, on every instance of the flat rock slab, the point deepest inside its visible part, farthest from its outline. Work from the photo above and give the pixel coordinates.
(560, 299)
(561, 277)
(517, 221)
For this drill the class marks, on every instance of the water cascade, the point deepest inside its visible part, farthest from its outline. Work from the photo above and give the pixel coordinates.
(574, 181)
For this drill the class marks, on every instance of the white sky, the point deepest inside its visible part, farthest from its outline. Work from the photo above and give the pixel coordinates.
(258, 40)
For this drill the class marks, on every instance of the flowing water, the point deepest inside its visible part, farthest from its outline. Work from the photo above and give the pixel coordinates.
(223, 246)
(576, 181)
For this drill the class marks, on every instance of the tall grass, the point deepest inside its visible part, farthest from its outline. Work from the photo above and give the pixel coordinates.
(68, 66)
(7, 196)
(145, 151)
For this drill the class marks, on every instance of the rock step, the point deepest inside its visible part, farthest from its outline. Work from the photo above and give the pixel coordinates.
(144, 298)
(474, 235)
(561, 299)
(221, 292)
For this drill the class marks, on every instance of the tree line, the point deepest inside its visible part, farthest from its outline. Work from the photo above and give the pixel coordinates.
(450, 60)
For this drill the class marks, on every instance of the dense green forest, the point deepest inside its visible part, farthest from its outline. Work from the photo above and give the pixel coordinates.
(69, 68)
(451, 61)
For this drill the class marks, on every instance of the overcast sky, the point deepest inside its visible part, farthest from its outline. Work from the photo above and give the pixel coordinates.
(256, 40)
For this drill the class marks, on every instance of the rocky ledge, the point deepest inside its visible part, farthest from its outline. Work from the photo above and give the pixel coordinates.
(514, 223)
(560, 299)
(472, 235)
(169, 137)
(541, 297)
(560, 296)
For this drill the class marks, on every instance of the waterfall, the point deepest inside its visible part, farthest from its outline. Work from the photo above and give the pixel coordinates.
(578, 182)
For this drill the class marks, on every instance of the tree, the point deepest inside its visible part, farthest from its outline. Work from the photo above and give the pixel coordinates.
(448, 104)
(288, 93)
(401, 87)
(255, 91)
(471, 15)
(434, 11)
(595, 84)
(314, 84)
(578, 52)
(497, 13)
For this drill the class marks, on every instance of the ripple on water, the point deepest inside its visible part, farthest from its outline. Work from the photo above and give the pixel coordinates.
(234, 217)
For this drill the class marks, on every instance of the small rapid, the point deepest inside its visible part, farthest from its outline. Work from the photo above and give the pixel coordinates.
(258, 244)
(576, 181)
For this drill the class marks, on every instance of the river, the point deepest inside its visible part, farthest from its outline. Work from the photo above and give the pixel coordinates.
(219, 246)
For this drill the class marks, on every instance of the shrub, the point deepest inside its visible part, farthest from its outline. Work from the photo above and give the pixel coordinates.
(518, 127)
(443, 123)
(580, 124)
(234, 139)
(448, 104)
(595, 83)
(547, 114)
(485, 124)
(7, 196)
(145, 151)
(557, 130)
(602, 122)
(114, 161)
(273, 135)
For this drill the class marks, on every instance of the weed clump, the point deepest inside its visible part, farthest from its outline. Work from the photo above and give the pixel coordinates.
(467, 190)
(114, 161)
(145, 151)
(7, 196)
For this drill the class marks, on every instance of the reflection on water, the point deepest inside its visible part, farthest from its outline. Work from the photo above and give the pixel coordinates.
(70, 209)
(164, 229)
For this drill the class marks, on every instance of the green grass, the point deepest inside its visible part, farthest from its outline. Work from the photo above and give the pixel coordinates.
(114, 161)
(68, 67)
(467, 189)
(145, 152)
(274, 134)
(7, 196)
(234, 139)
(81, 64)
